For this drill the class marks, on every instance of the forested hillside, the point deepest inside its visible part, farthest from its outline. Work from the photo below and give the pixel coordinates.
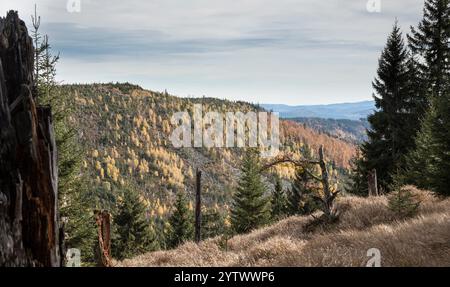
(126, 131)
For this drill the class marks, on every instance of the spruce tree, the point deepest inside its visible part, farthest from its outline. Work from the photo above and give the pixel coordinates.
(430, 42)
(250, 208)
(133, 231)
(181, 223)
(440, 144)
(212, 223)
(427, 165)
(300, 197)
(357, 183)
(394, 124)
(278, 200)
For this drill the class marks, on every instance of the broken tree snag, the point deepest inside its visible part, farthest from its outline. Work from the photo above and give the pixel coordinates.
(198, 206)
(329, 196)
(372, 183)
(327, 201)
(29, 217)
(103, 221)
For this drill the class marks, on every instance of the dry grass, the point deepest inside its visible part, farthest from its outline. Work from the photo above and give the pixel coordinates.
(423, 240)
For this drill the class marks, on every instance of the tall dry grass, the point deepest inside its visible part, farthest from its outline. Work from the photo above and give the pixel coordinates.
(365, 223)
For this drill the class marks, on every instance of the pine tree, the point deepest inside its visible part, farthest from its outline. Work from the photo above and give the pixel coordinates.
(278, 200)
(181, 223)
(395, 122)
(133, 231)
(250, 208)
(430, 42)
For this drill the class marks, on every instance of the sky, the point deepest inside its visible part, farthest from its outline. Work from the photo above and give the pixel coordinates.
(292, 52)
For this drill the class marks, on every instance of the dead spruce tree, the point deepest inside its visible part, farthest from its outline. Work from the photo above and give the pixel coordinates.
(330, 213)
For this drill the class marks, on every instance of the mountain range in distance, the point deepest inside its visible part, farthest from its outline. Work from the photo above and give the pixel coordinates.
(348, 111)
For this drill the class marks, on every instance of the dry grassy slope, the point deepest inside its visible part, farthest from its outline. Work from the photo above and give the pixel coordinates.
(365, 223)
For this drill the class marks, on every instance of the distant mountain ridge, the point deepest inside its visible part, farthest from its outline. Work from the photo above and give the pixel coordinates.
(349, 111)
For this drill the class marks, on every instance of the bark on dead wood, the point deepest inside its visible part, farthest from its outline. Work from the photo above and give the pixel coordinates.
(327, 201)
(372, 183)
(29, 218)
(103, 221)
(329, 196)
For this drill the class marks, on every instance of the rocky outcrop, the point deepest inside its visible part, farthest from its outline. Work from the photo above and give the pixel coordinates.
(29, 220)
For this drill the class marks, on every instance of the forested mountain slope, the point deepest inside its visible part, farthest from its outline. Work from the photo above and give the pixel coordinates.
(125, 130)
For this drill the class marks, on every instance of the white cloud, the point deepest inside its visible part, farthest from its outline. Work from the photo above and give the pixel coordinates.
(290, 51)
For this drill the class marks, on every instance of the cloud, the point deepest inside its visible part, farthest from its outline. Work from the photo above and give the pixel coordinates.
(290, 51)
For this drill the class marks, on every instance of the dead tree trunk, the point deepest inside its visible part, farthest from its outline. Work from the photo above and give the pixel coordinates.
(103, 221)
(329, 196)
(372, 183)
(29, 220)
(198, 206)
(327, 201)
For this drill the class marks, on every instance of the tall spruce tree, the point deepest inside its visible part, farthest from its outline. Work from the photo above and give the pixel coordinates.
(426, 166)
(278, 200)
(250, 208)
(395, 122)
(430, 42)
(181, 222)
(133, 231)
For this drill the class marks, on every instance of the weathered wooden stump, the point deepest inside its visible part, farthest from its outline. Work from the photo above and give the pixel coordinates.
(103, 221)
(372, 183)
(29, 219)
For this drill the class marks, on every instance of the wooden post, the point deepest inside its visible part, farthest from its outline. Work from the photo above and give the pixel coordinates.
(372, 183)
(198, 206)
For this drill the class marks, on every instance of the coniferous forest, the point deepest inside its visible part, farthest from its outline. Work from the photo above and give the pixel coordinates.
(91, 168)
